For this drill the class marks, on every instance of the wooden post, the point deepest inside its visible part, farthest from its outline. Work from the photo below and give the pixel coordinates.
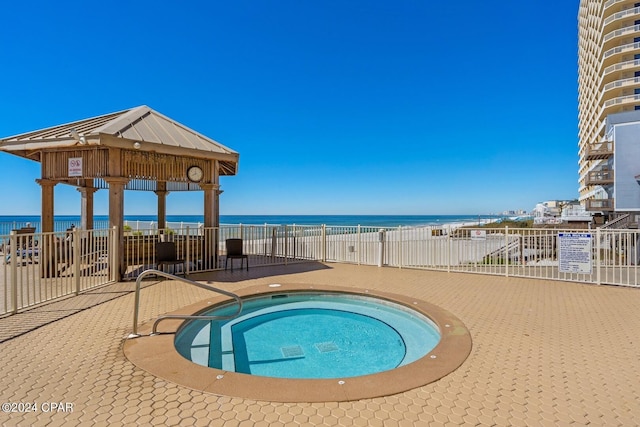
(47, 204)
(47, 252)
(116, 217)
(162, 192)
(86, 207)
(211, 220)
(212, 212)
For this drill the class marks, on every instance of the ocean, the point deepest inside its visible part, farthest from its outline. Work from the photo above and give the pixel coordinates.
(346, 220)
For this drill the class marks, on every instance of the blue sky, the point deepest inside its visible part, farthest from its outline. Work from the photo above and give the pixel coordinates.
(336, 107)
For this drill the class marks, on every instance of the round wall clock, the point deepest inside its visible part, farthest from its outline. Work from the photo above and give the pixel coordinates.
(195, 174)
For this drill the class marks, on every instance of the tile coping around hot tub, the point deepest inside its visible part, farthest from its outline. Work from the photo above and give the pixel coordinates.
(158, 356)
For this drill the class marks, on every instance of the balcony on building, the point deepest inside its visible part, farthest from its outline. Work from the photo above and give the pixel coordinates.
(601, 205)
(599, 151)
(600, 176)
(620, 104)
(613, 72)
(615, 54)
(610, 3)
(612, 20)
(621, 85)
(619, 36)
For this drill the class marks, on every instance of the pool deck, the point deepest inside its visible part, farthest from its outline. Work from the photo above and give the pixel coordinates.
(544, 353)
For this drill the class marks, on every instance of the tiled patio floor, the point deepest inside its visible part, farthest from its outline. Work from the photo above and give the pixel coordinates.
(544, 353)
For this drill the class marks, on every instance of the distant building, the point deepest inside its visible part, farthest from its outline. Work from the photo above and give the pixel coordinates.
(560, 211)
(518, 212)
(547, 213)
(609, 106)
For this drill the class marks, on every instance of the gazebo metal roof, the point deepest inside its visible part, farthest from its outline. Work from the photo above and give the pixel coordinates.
(153, 131)
(136, 149)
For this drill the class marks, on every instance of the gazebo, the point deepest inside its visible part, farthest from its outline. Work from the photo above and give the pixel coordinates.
(135, 149)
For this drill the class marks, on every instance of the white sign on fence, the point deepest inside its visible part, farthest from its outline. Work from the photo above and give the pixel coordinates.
(75, 166)
(575, 253)
(478, 234)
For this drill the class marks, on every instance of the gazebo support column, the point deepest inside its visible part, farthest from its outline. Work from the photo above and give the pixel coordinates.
(116, 217)
(162, 192)
(211, 210)
(47, 204)
(86, 207)
(47, 246)
(211, 220)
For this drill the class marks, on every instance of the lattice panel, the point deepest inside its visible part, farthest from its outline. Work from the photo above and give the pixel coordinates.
(140, 165)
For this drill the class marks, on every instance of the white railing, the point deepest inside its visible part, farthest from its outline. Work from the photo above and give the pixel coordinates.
(620, 49)
(511, 252)
(204, 248)
(621, 65)
(59, 225)
(151, 227)
(611, 3)
(621, 100)
(38, 267)
(620, 15)
(620, 32)
(624, 82)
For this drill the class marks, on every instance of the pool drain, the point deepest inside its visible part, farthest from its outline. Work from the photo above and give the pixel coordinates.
(326, 347)
(292, 351)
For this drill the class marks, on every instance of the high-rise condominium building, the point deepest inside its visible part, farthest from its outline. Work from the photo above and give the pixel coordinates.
(609, 105)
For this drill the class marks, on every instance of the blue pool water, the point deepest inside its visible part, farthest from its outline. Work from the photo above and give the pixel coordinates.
(310, 335)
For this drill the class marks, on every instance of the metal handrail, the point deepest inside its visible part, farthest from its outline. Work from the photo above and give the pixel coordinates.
(178, 316)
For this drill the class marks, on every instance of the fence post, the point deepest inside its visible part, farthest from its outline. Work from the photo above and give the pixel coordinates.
(359, 246)
(400, 253)
(506, 251)
(294, 238)
(324, 242)
(274, 243)
(381, 238)
(598, 277)
(216, 241)
(286, 243)
(449, 245)
(13, 254)
(266, 239)
(188, 253)
(115, 255)
(75, 249)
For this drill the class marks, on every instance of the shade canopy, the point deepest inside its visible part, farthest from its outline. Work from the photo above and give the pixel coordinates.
(135, 149)
(138, 144)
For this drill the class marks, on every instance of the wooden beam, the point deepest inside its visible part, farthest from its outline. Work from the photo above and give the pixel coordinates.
(116, 216)
(47, 210)
(162, 192)
(86, 205)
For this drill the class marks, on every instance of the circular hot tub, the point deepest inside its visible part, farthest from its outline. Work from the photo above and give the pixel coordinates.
(360, 344)
(309, 335)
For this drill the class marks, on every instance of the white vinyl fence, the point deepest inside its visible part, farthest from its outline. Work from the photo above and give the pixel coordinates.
(614, 254)
(38, 267)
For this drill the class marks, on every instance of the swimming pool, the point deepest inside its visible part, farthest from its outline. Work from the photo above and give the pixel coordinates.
(310, 335)
(157, 354)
